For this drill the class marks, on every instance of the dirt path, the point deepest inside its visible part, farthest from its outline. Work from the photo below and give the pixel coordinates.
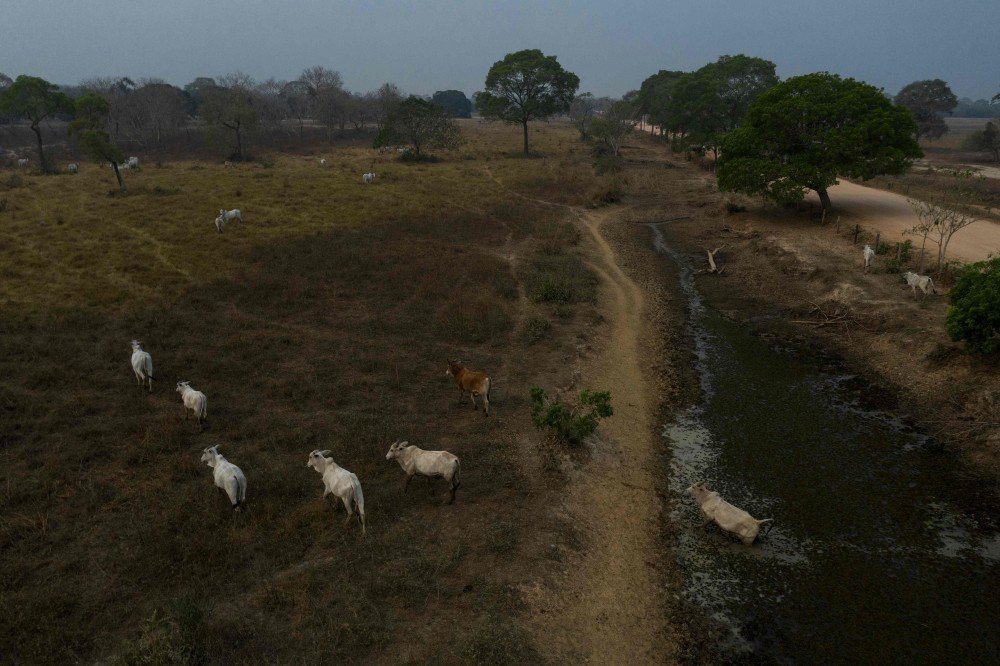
(891, 214)
(607, 606)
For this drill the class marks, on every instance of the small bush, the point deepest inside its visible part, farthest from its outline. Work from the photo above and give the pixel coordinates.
(974, 315)
(535, 329)
(732, 207)
(611, 195)
(14, 181)
(570, 424)
(3, 204)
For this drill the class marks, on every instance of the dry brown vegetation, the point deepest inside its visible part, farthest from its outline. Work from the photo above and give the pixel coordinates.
(322, 322)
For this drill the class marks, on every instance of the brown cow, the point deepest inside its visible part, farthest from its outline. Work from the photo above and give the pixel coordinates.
(476, 383)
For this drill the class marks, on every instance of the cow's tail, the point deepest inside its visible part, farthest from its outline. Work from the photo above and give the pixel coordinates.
(359, 501)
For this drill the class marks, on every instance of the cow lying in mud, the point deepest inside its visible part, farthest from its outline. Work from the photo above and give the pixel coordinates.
(725, 515)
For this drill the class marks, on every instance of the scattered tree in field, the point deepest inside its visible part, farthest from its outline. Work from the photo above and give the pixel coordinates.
(420, 124)
(940, 222)
(454, 102)
(614, 125)
(985, 140)
(526, 86)
(805, 132)
(35, 100)
(5, 81)
(974, 315)
(383, 102)
(926, 101)
(582, 111)
(232, 106)
(713, 100)
(95, 142)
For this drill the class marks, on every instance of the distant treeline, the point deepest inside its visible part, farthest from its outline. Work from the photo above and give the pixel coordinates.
(980, 108)
(229, 115)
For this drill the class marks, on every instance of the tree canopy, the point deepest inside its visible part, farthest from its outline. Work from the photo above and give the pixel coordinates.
(974, 314)
(926, 101)
(656, 95)
(91, 115)
(713, 100)
(454, 102)
(35, 100)
(233, 105)
(524, 86)
(805, 132)
(420, 124)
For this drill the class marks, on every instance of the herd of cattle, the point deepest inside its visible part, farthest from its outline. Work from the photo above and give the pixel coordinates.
(337, 481)
(414, 461)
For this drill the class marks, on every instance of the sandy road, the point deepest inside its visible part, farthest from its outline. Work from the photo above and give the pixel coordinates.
(891, 215)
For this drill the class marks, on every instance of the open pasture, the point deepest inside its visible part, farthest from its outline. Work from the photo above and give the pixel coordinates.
(321, 322)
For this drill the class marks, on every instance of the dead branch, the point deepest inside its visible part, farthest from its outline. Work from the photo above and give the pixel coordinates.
(712, 266)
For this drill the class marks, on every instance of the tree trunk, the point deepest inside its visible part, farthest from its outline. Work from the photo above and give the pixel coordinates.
(239, 144)
(524, 124)
(118, 175)
(824, 198)
(41, 152)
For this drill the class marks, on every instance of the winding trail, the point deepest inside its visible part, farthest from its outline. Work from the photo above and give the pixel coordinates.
(607, 605)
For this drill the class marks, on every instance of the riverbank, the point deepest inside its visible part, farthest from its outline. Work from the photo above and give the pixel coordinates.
(790, 276)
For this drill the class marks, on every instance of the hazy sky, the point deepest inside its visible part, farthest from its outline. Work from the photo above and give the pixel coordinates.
(432, 45)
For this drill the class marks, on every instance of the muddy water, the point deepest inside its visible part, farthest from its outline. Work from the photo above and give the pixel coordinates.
(870, 559)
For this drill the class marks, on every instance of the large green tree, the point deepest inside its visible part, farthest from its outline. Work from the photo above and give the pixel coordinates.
(713, 100)
(421, 124)
(35, 100)
(89, 126)
(655, 96)
(524, 86)
(454, 102)
(926, 101)
(805, 132)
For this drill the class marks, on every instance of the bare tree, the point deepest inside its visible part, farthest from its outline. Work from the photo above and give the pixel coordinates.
(318, 79)
(384, 100)
(614, 125)
(941, 222)
(234, 106)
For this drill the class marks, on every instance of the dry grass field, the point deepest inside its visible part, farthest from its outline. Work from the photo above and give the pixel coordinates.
(323, 321)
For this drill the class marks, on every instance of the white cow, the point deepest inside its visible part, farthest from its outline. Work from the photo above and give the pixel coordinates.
(227, 476)
(725, 515)
(193, 400)
(22, 162)
(869, 256)
(416, 461)
(225, 216)
(73, 168)
(368, 177)
(924, 282)
(340, 482)
(142, 365)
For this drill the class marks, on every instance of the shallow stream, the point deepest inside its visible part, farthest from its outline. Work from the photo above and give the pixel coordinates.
(870, 560)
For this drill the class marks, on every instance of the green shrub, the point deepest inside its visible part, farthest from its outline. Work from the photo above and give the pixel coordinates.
(570, 424)
(974, 315)
(536, 328)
